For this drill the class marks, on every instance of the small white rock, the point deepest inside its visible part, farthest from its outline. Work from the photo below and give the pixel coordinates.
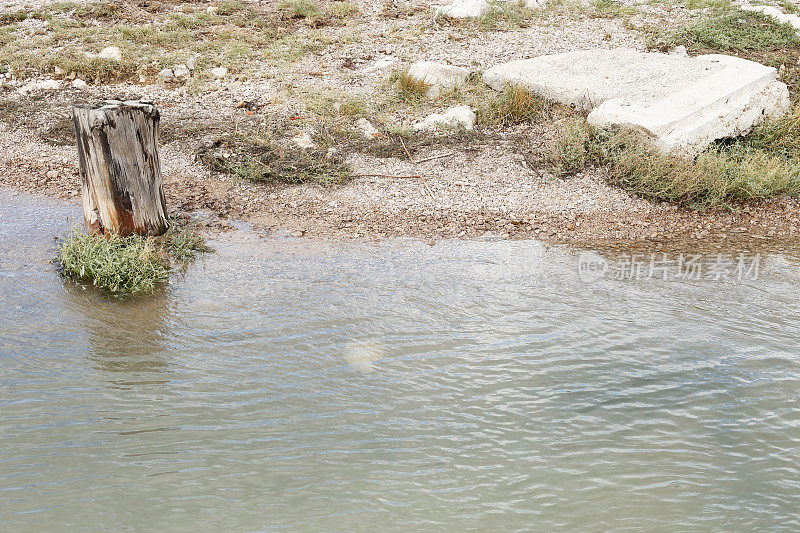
(181, 71)
(79, 84)
(679, 50)
(166, 75)
(191, 62)
(111, 52)
(439, 75)
(44, 85)
(459, 116)
(366, 129)
(219, 72)
(381, 64)
(304, 141)
(212, 10)
(59, 71)
(461, 9)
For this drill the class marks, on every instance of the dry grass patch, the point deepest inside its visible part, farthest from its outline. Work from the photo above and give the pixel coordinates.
(515, 105)
(263, 156)
(408, 88)
(152, 35)
(764, 164)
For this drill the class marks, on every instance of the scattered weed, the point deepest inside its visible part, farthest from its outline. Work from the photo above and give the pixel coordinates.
(509, 15)
(303, 9)
(611, 9)
(342, 10)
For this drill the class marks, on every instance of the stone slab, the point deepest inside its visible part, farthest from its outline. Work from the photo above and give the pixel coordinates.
(683, 103)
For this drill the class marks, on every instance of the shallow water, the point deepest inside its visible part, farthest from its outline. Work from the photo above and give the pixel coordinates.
(288, 384)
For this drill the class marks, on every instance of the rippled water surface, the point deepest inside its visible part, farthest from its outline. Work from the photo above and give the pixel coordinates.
(287, 384)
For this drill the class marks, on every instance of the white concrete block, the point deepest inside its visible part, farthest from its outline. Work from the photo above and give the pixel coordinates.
(682, 103)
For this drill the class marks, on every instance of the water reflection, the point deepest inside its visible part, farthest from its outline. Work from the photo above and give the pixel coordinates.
(128, 339)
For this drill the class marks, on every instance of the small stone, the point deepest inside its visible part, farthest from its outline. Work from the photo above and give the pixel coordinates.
(59, 71)
(212, 10)
(166, 75)
(679, 51)
(111, 52)
(304, 141)
(461, 9)
(181, 71)
(366, 129)
(381, 64)
(298, 233)
(460, 116)
(439, 75)
(79, 84)
(219, 72)
(190, 63)
(52, 174)
(142, 78)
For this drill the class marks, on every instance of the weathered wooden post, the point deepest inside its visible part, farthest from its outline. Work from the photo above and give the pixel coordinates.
(121, 187)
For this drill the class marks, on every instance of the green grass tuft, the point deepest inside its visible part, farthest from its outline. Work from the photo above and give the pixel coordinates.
(408, 88)
(304, 9)
(505, 16)
(611, 9)
(129, 266)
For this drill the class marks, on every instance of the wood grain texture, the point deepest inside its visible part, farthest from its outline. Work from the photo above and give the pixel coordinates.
(122, 189)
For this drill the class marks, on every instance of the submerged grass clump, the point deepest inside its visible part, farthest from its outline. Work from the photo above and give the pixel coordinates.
(129, 266)
(764, 164)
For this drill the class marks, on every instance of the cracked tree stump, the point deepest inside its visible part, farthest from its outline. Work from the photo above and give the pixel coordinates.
(121, 184)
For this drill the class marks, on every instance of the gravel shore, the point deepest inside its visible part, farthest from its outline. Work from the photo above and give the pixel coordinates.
(474, 190)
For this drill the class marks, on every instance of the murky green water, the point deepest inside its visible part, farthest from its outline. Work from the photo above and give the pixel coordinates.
(302, 386)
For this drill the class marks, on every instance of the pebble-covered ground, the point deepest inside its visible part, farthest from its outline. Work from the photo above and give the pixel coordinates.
(484, 187)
